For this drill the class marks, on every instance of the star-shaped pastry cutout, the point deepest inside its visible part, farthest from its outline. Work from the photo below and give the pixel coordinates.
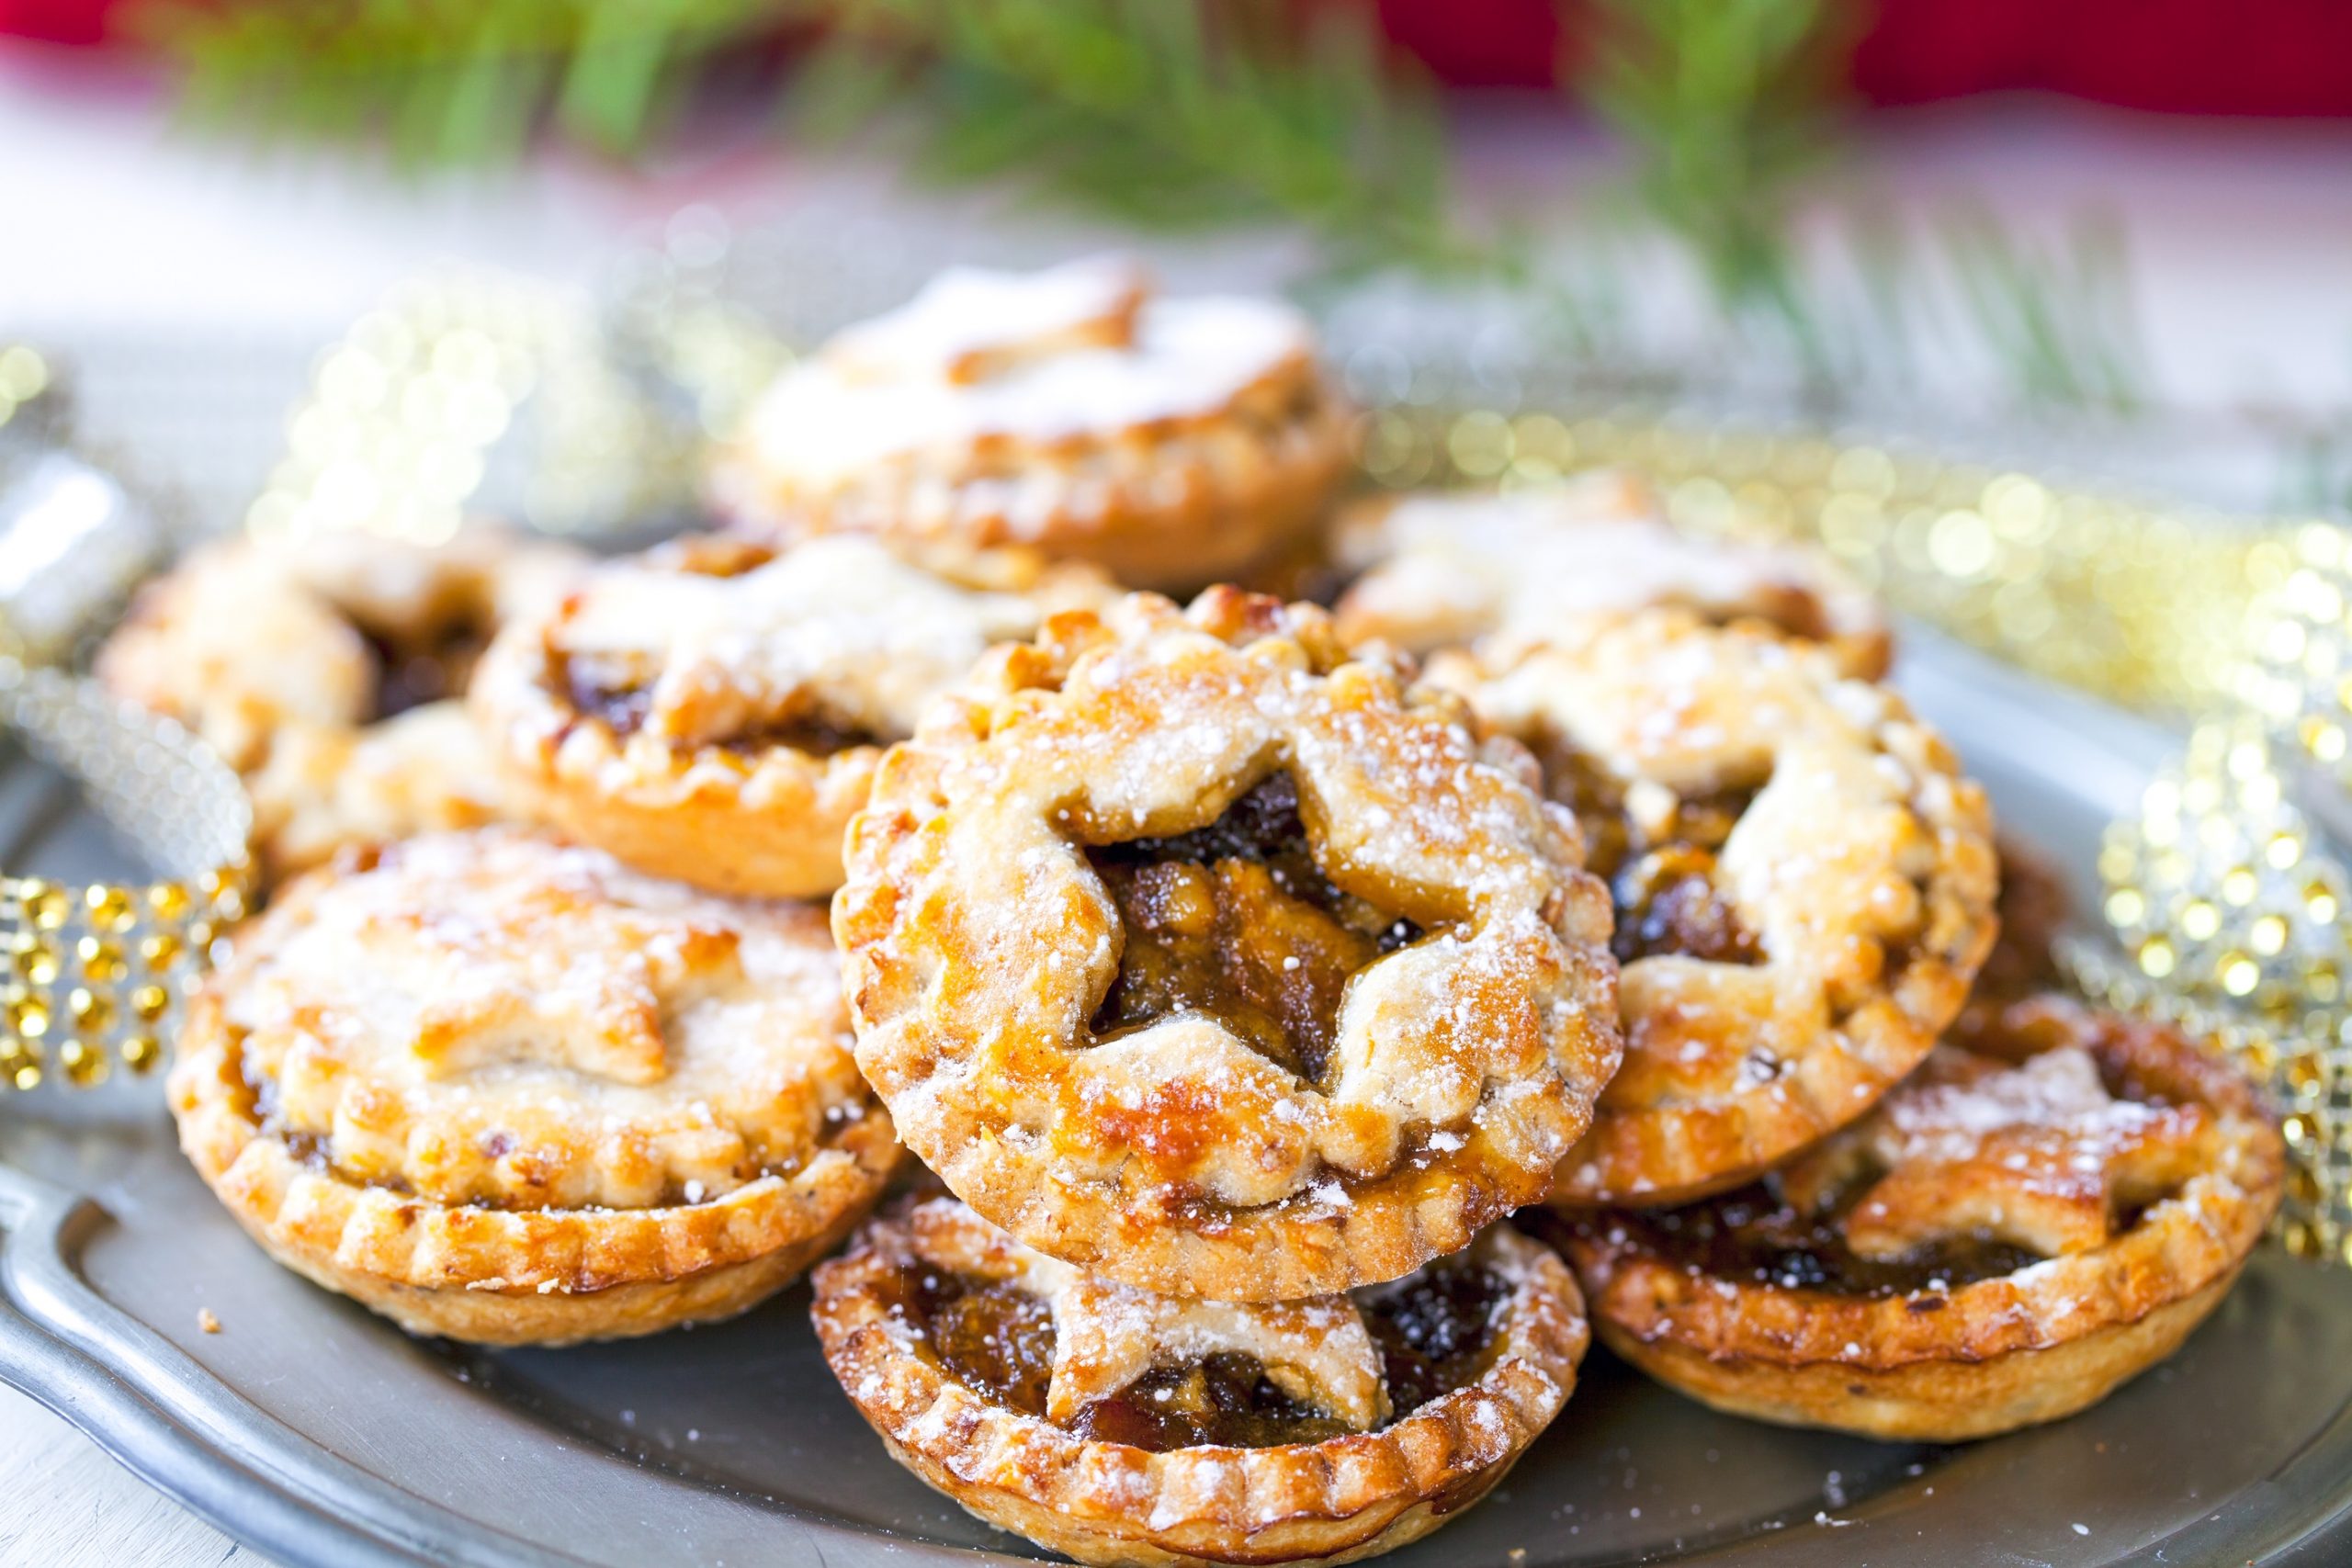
(558, 977)
(2038, 1156)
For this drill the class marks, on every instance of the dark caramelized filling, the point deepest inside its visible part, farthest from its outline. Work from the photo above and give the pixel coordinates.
(1754, 1236)
(1223, 1401)
(623, 710)
(430, 668)
(990, 1335)
(1236, 921)
(1662, 890)
(812, 735)
(1435, 1330)
(2033, 907)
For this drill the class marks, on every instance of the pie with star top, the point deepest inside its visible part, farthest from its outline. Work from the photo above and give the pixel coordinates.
(326, 669)
(504, 1089)
(1172, 441)
(1455, 569)
(1803, 881)
(1203, 955)
(1122, 1428)
(2045, 1209)
(713, 710)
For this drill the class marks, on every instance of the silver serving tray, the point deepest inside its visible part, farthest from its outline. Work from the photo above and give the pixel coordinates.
(317, 1433)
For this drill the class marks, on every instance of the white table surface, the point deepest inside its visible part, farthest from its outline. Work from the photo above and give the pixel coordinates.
(111, 224)
(63, 1504)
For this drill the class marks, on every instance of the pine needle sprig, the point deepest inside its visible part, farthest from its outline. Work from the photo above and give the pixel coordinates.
(1159, 112)
(2059, 321)
(1163, 114)
(1724, 105)
(445, 81)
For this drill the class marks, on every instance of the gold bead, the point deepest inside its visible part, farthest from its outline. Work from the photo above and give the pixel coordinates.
(45, 904)
(142, 1051)
(101, 960)
(111, 909)
(38, 963)
(160, 950)
(1480, 444)
(84, 1065)
(149, 1003)
(168, 901)
(92, 1011)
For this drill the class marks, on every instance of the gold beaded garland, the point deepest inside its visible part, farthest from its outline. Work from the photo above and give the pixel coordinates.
(74, 1001)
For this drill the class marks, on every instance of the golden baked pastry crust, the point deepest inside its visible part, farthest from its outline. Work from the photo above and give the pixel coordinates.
(326, 669)
(990, 968)
(739, 695)
(1947, 1361)
(1804, 885)
(1375, 1486)
(1455, 569)
(1172, 441)
(325, 788)
(502, 1089)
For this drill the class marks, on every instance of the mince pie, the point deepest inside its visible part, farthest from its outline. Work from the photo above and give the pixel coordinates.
(505, 1090)
(1458, 568)
(1172, 441)
(326, 669)
(1120, 1427)
(714, 709)
(2046, 1208)
(1802, 883)
(1199, 954)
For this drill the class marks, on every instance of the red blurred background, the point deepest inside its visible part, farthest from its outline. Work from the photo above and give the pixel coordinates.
(2275, 58)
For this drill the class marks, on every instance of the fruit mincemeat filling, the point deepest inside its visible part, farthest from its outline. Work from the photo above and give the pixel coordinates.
(1236, 921)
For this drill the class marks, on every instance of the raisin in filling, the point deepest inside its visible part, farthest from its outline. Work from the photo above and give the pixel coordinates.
(1435, 1330)
(1224, 1399)
(991, 1336)
(256, 1097)
(623, 707)
(413, 671)
(1662, 885)
(1236, 921)
(1756, 1235)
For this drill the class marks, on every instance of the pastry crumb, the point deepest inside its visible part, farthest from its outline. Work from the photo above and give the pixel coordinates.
(206, 1321)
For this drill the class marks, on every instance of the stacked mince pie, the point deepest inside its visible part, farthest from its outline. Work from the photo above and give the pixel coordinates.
(1306, 1014)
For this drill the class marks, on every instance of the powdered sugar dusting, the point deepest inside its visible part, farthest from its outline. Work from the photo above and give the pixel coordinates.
(991, 354)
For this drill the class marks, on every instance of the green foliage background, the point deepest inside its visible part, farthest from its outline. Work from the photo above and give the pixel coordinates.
(1194, 113)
